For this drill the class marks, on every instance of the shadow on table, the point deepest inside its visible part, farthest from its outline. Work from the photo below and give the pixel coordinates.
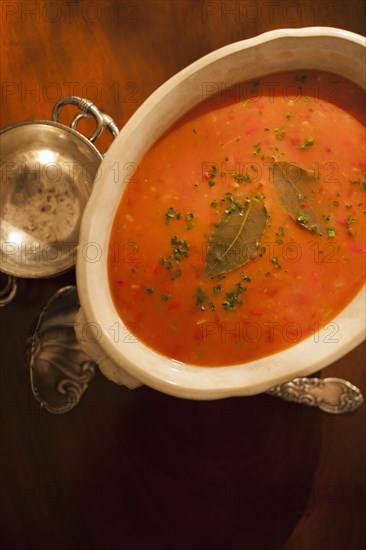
(139, 470)
(230, 474)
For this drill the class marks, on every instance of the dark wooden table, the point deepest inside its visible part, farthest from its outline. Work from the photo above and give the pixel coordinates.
(138, 470)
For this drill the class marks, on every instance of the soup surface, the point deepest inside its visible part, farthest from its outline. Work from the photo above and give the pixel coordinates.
(242, 230)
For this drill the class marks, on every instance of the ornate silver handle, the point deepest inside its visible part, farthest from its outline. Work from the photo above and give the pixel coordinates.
(60, 371)
(108, 123)
(332, 395)
(88, 109)
(8, 291)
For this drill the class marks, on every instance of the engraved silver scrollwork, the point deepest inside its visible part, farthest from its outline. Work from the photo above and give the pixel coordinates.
(108, 122)
(88, 108)
(8, 291)
(60, 371)
(331, 395)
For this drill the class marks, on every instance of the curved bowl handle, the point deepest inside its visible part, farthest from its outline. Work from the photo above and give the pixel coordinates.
(88, 109)
(113, 372)
(108, 122)
(8, 291)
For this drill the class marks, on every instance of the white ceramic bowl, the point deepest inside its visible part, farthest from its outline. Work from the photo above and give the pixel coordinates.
(120, 357)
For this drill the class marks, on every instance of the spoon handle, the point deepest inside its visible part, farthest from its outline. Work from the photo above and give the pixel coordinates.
(332, 395)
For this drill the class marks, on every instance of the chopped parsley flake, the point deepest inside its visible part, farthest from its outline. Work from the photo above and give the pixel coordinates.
(239, 178)
(331, 232)
(171, 213)
(180, 251)
(233, 297)
(308, 143)
(256, 149)
(289, 115)
(202, 300)
(276, 262)
(200, 296)
(245, 277)
(302, 219)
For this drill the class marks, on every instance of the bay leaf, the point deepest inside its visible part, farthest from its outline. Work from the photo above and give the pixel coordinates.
(294, 187)
(235, 239)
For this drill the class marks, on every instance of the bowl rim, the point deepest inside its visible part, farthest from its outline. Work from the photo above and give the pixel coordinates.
(171, 376)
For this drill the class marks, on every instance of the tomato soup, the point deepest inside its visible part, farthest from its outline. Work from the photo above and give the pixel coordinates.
(242, 230)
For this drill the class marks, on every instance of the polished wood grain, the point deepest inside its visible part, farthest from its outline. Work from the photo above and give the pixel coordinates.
(138, 470)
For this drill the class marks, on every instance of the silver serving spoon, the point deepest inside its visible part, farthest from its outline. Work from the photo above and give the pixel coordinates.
(331, 395)
(60, 371)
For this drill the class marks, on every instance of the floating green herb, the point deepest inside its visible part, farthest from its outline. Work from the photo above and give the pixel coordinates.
(171, 213)
(308, 143)
(201, 300)
(276, 262)
(240, 178)
(256, 149)
(350, 220)
(245, 277)
(233, 297)
(189, 218)
(179, 252)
